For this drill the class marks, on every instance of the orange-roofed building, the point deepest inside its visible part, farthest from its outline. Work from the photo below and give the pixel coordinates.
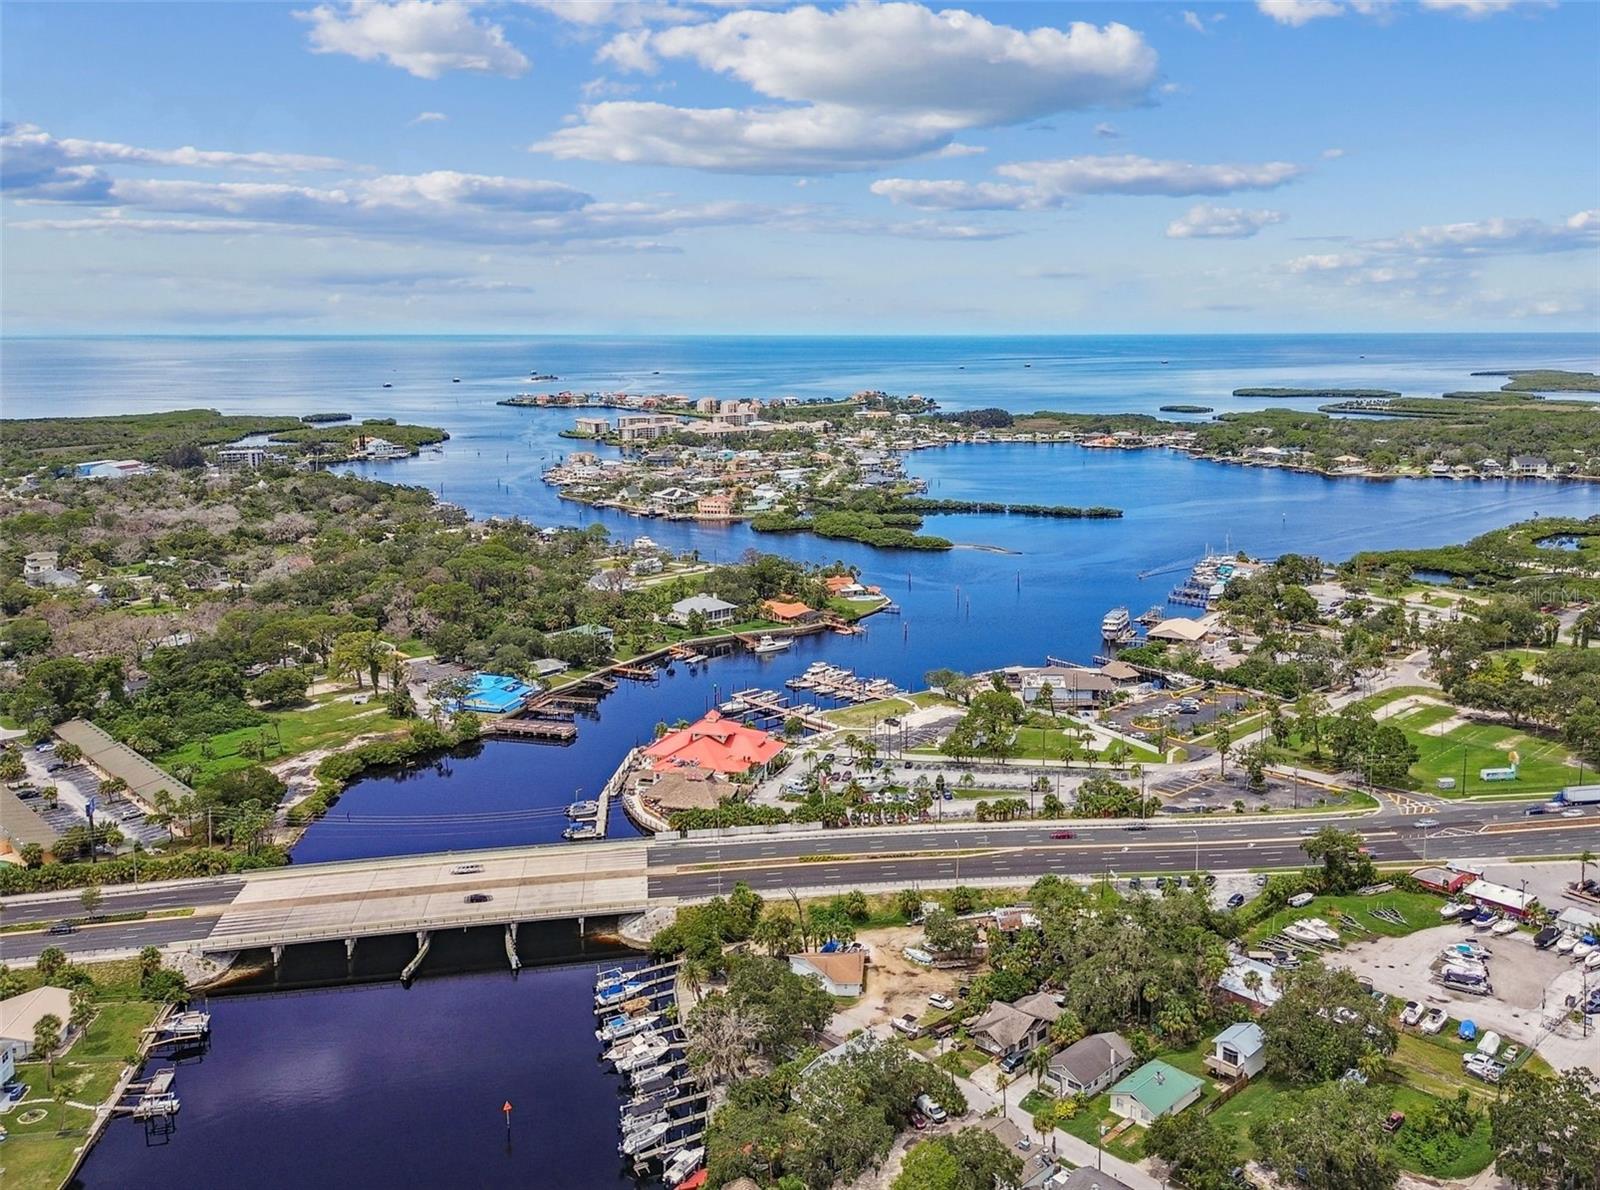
(716, 744)
(786, 611)
(837, 583)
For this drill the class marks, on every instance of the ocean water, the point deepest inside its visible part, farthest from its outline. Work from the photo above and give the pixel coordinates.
(336, 1087)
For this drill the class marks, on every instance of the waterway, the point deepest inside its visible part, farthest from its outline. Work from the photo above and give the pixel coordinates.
(377, 1084)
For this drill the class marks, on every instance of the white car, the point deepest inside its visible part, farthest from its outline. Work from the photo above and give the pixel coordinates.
(1573, 813)
(1426, 823)
(941, 1001)
(466, 869)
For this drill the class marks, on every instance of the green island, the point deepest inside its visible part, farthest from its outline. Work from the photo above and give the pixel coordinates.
(1548, 380)
(1185, 409)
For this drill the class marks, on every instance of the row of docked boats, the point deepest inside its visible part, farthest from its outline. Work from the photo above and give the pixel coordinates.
(642, 1043)
(835, 681)
(585, 816)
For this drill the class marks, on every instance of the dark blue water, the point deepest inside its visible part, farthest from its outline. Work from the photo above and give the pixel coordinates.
(384, 1086)
(381, 1085)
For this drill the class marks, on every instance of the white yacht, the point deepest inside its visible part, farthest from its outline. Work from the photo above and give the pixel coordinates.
(683, 1163)
(1116, 624)
(769, 644)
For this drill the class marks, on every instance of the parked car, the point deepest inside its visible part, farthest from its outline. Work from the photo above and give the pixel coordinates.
(930, 1108)
(1261, 880)
(1395, 1121)
(14, 1090)
(1236, 900)
(1011, 1063)
(941, 1001)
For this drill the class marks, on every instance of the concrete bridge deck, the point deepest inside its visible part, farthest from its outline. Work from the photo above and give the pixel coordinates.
(333, 902)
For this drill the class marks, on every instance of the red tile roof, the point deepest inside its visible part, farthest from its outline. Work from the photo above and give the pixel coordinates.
(721, 745)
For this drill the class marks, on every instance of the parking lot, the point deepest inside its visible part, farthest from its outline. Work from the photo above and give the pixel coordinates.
(1197, 793)
(75, 785)
(1530, 986)
(1209, 705)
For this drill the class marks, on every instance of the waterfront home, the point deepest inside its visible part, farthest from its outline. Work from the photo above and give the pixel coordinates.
(1090, 1065)
(841, 973)
(111, 469)
(643, 566)
(1239, 1051)
(788, 611)
(1154, 1090)
(1526, 465)
(1018, 1027)
(548, 667)
(717, 506)
(713, 611)
(1251, 983)
(715, 744)
(42, 568)
(20, 1016)
(606, 636)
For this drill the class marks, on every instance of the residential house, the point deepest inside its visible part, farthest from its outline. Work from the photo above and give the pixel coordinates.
(1089, 1066)
(1239, 1051)
(717, 506)
(1038, 1165)
(42, 568)
(1154, 1090)
(1085, 1177)
(1251, 983)
(20, 1016)
(840, 973)
(1019, 1027)
(1529, 465)
(713, 611)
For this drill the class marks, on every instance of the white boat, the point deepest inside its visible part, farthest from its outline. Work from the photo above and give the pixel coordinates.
(1116, 624)
(1301, 932)
(639, 1123)
(584, 810)
(1565, 945)
(1483, 923)
(1323, 931)
(682, 1163)
(1583, 950)
(648, 1074)
(1434, 1021)
(638, 1052)
(618, 1027)
(1501, 929)
(1411, 1014)
(1593, 961)
(644, 1139)
(1451, 910)
(771, 644)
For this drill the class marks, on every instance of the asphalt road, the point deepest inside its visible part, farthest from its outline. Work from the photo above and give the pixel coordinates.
(117, 899)
(114, 936)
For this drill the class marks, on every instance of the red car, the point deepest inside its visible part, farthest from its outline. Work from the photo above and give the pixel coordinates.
(1063, 835)
(919, 1121)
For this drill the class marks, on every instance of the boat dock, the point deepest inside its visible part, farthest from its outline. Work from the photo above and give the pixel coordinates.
(178, 1028)
(771, 704)
(532, 729)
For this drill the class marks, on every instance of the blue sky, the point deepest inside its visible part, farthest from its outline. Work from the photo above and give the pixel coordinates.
(687, 166)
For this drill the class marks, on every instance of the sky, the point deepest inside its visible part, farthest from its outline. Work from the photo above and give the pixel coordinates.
(716, 167)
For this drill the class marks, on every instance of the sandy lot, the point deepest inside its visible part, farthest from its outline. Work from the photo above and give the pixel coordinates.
(895, 985)
(1527, 982)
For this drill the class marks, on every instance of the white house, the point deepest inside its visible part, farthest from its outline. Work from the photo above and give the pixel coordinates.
(841, 974)
(20, 1016)
(715, 612)
(1239, 1051)
(1090, 1065)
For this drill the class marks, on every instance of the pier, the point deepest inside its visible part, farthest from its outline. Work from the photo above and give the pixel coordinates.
(770, 702)
(532, 729)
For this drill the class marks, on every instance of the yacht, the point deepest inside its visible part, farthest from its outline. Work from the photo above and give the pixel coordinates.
(768, 644)
(683, 1163)
(641, 1140)
(1116, 624)
(583, 810)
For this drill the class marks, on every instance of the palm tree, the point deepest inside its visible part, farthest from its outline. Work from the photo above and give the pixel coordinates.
(1372, 1064)
(1038, 1062)
(1584, 860)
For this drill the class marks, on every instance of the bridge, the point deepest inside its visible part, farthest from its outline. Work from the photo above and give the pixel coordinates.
(352, 900)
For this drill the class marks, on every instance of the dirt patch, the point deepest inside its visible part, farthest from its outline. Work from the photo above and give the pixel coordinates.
(1446, 726)
(1402, 706)
(895, 985)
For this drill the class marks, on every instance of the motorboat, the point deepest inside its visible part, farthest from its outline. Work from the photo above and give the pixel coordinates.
(641, 1140)
(1470, 951)
(1583, 949)
(1434, 1020)
(1301, 932)
(584, 810)
(580, 832)
(1323, 931)
(1565, 944)
(632, 1124)
(1592, 963)
(618, 1027)
(771, 644)
(637, 1052)
(1452, 910)
(1547, 937)
(1501, 928)
(1484, 920)
(616, 993)
(1411, 1014)
(611, 975)
(681, 1164)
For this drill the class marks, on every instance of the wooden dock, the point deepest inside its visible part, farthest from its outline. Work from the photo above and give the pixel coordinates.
(532, 729)
(768, 702)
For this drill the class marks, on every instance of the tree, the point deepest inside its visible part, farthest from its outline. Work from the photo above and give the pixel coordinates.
(90, 898)
(83, 1008)
(1344, 867)
(1328, 1138)
(12, 767)
(357, 653)
(1198, 1154)
(1322, 1025)
(908, 901)
(32, 855)
(971, 1159)
(46, 1036)
(721, 1036)
(51, 961)
(778, 932)
(1222, 740)
(1546, 1131)
(68, 753)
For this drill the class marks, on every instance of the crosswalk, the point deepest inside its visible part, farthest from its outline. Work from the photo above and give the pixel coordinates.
(1407, 804)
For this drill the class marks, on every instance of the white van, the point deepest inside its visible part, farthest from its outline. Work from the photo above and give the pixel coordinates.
(928, 1107)
(1300, 900)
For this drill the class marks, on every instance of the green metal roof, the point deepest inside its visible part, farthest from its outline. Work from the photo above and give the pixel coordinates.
(1158, 1086)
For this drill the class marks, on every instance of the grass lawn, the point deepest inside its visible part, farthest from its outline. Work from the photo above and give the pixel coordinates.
(963, 1061)
(1420, 910)
(38, 1154)
(1455, 1157)
(1464, 750)
(1051, 743)
(866, 713)
(327, 722)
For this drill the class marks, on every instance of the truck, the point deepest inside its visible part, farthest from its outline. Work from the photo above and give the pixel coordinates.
(930, 1108)
(1578, 795)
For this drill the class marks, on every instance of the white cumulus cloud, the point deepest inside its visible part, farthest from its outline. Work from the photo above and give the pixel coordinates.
(429, 118)
(868, 83)
(1299, 12)
(1222, 223)
(426, 38)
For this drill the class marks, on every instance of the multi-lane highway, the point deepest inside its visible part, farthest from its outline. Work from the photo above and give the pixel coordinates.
(929, 856)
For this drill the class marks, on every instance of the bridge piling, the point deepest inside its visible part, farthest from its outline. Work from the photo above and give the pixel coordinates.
(511, 947)
(424, 941)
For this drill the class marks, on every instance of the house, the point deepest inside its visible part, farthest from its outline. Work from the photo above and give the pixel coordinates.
(1069, 686)
(717, 506)
(842, 586)
(1089, 1066)
(20, 1016)
(1085, 1178)
(1239, 1051)
(1006, 1029)
(1530, 465)
(841, 973)
(1251, 983)
(788, 611)
(1573, 920)
(715, 612)
(42, 568)
(1037, 1165)
(548, 667)
(714, 743)
(1154, 1090)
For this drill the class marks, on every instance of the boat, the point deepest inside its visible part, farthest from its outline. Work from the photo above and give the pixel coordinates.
(1411, 1014)
(681, 1164)
(455, 380)
(1501, 928)
(1583, 949)
(1434, 1021)
(1301, 932)
(1470, 951)
(1592, 963)
(631, 1124)
(769, 644)
(1116, 625)
(1485, 920)
(1323, 931)
(618, 1027)
(611, 975)
(1547, 937)
(636, 1052)
(580, 832)
(1153, 615)
(641, 1140)
(1565, 945)
(650, 1087)
(386, 384)
(650, 1075)
(616, 993)
(584, 809)
(1451, 910)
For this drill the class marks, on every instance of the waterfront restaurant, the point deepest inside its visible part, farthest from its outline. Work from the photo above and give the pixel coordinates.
(715, 744)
